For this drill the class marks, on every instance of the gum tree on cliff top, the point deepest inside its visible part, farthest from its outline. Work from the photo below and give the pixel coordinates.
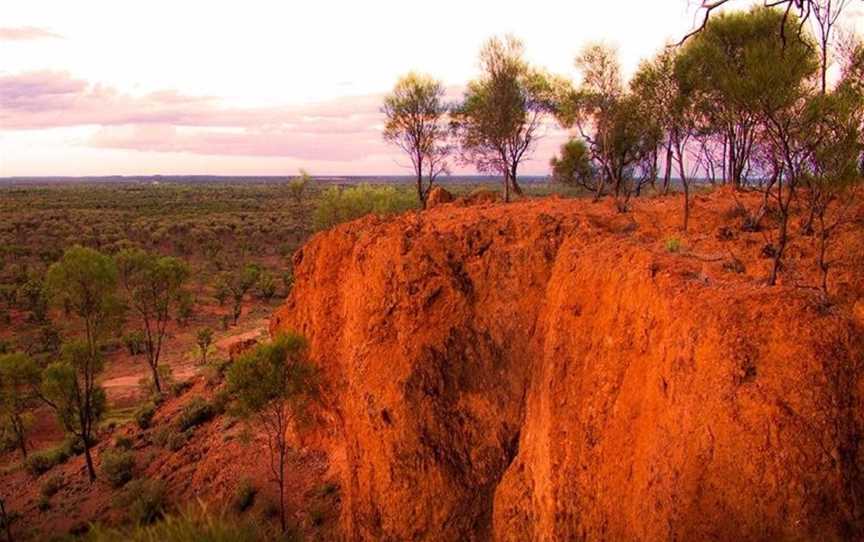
(499, 120)
(415, 115)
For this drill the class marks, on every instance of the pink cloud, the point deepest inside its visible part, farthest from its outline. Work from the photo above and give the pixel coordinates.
(26, 33)
(304, 145)
(344, 130)
(51, 99)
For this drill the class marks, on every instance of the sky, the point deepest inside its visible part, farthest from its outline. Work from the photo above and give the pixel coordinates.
(267, 87)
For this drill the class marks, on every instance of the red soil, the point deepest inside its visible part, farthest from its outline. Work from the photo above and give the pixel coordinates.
(548, 370)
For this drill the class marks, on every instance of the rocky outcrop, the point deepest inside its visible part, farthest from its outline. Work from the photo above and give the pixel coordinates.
(547, 370)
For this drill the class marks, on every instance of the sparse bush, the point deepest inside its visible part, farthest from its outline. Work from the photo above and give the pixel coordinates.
(244, 496)
(337, 205)
(134, 341)
(42, 461)
(144, 415)
(196, 412)
(144, 499)
(117, 466)
(52, 485)
(170, 438)
(122, 442)
(204, 339)
(673, 245)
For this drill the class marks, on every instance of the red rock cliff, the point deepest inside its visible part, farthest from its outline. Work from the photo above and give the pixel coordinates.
(547, 370)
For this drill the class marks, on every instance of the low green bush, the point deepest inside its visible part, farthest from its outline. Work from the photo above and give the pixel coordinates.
(44, 460)
(337, 205)
(117, 466)
(169, 437)
(144, 499)
(144, 415)
(673, 244)
(196, 412)
(122, 442)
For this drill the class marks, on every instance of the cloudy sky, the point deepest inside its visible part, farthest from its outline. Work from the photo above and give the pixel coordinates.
(265, 87)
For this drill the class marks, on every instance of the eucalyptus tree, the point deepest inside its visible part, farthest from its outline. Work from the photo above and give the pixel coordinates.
(416, 122)
(621, 131)
(501, 116)
(154, 287)
(84, 283)
(19, 382)
(273, 384)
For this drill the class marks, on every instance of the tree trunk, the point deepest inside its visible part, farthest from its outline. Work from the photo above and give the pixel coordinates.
(667, 177)
(91, 470)
(507, 187)
(516, 187)
(22, 442)
(156, 383)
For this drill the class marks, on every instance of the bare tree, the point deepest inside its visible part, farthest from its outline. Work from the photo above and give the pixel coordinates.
(826, 14)
(803, 8)
(416, 114)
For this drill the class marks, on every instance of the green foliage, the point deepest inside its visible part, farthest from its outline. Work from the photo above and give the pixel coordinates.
(117, 466)
(496, 124)
(84, 281)
(574, 166)
(171, 438)
(739, 73)
(144, 415)
(673, 245)
(190, 526)
(134, 341)
(122, 442)
(155, 289)
(204, 338)
(64, 383)
(19, 380)
(196, 412)
(337, 205)
(266, 286)
(274, 382)
(144, 499)
(44, 460)
(297, 186)
(415, 114)
(273, 371)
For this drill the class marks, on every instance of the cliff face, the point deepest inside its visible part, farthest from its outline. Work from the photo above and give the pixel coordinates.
(547, 370)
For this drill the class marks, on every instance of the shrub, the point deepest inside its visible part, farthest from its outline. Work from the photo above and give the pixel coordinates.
(134, 341)
(244, 496)
(144, 415)
(41, 462)
(52, 485)
(122, 442)
(337, 205)
(196, 412)
(170, 438)
(194, 525)
(144, 499)
(673, 244)
(117, 466)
